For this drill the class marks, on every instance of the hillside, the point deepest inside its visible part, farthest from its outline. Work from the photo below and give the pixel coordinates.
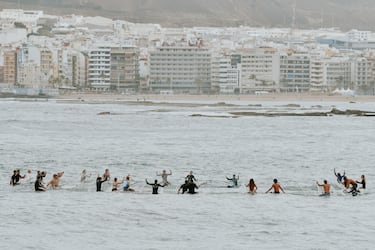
(345, 14)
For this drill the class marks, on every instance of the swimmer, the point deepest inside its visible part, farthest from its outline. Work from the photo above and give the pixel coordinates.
(164, 176)
(14, 180)
(190, 177)
(29, 178)
(54, 183)
(276, 187)
(155, 186)
(191, 188)
(106, 175)
(126, 187)
(115, 184)
(38, 185)
(362, 182)
(183, 187)
(349, 183)
(99, 182)
(234, 181)
(339, 176)
(252, 186)
(326, 187)
(84, 176)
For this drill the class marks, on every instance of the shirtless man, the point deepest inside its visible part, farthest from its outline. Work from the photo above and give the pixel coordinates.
(276, 187)
(54, 183)
(115, 184)
(326, 187)
(252, 186)
(164, 176)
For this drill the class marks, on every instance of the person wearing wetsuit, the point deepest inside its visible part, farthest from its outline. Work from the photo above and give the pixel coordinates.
(183, 187)
(234, 181)
(362, 182)
(339, 176)
(191, 188)
(16, 178)
(155, 186)
(38, 185)
(99, 182)
(190, 177)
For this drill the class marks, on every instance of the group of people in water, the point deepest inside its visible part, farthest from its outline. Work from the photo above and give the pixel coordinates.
(189, 186)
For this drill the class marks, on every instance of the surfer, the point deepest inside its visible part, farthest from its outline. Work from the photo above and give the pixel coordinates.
(276, 187)
(155, 186)
(252, 186)
(190, 177)
(116, 183)
(339, 176)
(362, 182)
(234, 181)
(326, 187)
(54, 183)
(99, 182)
(164, 176)
(183, 187)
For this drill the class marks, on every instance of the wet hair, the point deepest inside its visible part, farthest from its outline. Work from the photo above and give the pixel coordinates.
(251, 180)
(274, 180)
(156, 181)
(325, 181)
(115, 179)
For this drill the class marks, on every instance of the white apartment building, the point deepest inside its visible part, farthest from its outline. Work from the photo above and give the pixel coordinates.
(180, 69)
(362, 72)
(99, 68)
(358, 35)
(294, 72)
(224, 76)
(260, 70)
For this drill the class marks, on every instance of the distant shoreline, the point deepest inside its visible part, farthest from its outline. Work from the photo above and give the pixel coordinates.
(217, 98)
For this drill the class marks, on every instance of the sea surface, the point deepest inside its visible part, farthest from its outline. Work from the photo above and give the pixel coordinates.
(145, 138)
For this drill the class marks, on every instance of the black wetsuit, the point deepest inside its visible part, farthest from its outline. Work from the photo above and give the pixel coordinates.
(39, 185)
(191, 188)
(155, 187)
(190, 178)
(99, 184)
(363, 183)
(184, 187)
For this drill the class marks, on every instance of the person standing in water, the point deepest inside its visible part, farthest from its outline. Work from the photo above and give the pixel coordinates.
(191, 188)
(362, 182)
(183, 187)
(84, 176)
(14, 180)
(339, 176)
(115, 184)
(126, 187)
(349, 183)
(55, 180)
(326, 187)
(234, 181)
(106, 175)
(252, 186)
(164, 176)
(99, 182)
(38, 185)
(276, 187)
(155, 186)
(190, 177)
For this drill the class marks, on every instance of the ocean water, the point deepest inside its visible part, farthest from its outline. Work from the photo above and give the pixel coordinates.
(143, 139)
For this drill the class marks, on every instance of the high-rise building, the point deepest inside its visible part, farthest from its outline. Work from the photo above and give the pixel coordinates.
(10, 67)
(294, 72)
(125, 68)
(99, 68)
(180, 69)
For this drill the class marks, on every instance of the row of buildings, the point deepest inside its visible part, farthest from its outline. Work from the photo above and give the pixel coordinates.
(91, 54)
